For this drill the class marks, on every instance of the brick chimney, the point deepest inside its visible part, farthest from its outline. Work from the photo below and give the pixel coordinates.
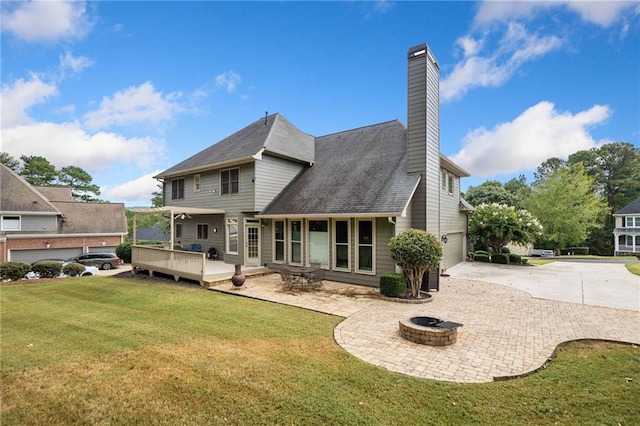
(423, 135)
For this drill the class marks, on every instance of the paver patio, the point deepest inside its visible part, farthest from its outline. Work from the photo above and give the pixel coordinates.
(506, 332)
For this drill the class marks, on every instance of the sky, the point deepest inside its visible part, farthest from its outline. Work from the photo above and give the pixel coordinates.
(126, 90)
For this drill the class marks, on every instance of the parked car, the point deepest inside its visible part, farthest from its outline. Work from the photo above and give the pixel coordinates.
(100, 260)
(88, 270)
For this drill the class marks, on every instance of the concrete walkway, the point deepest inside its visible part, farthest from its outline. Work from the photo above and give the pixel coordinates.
(506, 332)
(600, 284)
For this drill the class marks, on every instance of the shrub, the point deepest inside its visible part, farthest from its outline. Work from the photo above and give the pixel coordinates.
(73, 269)
(392, 285)
(575, 250)
(123, 251)
(481, 257)
(505, 250)
(500, 258)
(515, 258)
(47, 269)
(486, 253)
(13, 270)
(416, 251)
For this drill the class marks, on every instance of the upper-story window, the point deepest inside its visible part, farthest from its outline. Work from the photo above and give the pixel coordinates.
(177, 189)
(229, 181)
(444, 179)
(11, 223)
(196, 183)
(450, 183)
(633, 222)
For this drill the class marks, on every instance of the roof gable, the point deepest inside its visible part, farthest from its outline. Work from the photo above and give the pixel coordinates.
(272, 134)
(631, 208)
(359, 171)
(17, 195)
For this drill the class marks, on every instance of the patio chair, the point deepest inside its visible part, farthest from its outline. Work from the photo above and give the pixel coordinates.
(315, 277)
(212, 253)
(196, 247)
(289, 282)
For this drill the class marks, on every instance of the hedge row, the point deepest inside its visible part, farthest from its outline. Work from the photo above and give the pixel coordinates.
(15, 271)
(502, 258)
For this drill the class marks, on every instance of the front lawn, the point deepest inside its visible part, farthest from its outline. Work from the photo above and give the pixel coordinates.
(634, 268)
(102, 350)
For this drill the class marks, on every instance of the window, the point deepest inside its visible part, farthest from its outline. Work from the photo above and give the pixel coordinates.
(232, 236)
(341, 249)
(202, 232)
(178, 230)
(631, 220)
(279, 241)
(630, 240)
(295, 251)
(319, 242)
(196, 183)
(177, 189)
(450, 184)
(444, 179)
(365, 251)
(229, 181)
(11, 223)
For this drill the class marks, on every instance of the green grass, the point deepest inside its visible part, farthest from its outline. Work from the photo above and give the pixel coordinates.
(104, 350)
(634, 268)
(539, 261)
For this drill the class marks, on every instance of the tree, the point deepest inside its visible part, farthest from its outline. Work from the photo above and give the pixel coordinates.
(519, 188)
(567, 207)
(615, 168)
(489, 192)
(10, 162)
(498, 225)
(157, 198)
(38, 171)
(548, 168)
(416, 252)
(80, 182)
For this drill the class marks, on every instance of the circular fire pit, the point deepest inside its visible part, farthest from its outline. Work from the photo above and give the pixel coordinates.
(429, 331)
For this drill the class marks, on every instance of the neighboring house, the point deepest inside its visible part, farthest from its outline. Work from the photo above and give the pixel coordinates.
(626, 233)
(46, 223)
(277, 195)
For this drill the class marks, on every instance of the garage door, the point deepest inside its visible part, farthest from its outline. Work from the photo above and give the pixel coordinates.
(30, 256)
(453, 253)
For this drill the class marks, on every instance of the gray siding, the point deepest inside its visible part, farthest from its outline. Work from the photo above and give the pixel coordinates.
(453, 222)
(272, 175)
(36, 224)
(190, 229)
(423, 138)
(210, 195)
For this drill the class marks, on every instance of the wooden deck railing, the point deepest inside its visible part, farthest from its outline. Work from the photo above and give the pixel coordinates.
(183, 264)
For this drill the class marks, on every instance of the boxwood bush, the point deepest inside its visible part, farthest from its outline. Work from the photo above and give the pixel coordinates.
(500, 258)
(505, 250)
(480, 257)
(13, 271)
(392, 285)
(482, 252)
(47, 269)
(515, 258)
(73, 269)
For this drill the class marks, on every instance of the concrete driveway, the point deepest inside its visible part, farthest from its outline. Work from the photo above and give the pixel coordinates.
(599, 284)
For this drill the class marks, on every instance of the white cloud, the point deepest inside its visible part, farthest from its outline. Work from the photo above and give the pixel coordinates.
(74, 64)
(46, 21)
(18, 97)
(142, 104)
(139, 189)
(602, 13)
(229, 80)
(515, 48)
(68, 144)
(539, 133)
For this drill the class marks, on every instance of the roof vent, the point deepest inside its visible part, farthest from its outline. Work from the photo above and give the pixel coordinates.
(266, 114)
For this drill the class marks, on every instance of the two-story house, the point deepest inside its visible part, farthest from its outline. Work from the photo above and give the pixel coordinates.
(46, 223)
(275, 194)
(626, 233)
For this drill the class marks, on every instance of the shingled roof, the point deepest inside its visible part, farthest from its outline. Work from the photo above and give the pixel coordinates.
(631, 208)
(55, 193)
(92, 218)
(359, 171)
(18, 196)
(273, 134)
